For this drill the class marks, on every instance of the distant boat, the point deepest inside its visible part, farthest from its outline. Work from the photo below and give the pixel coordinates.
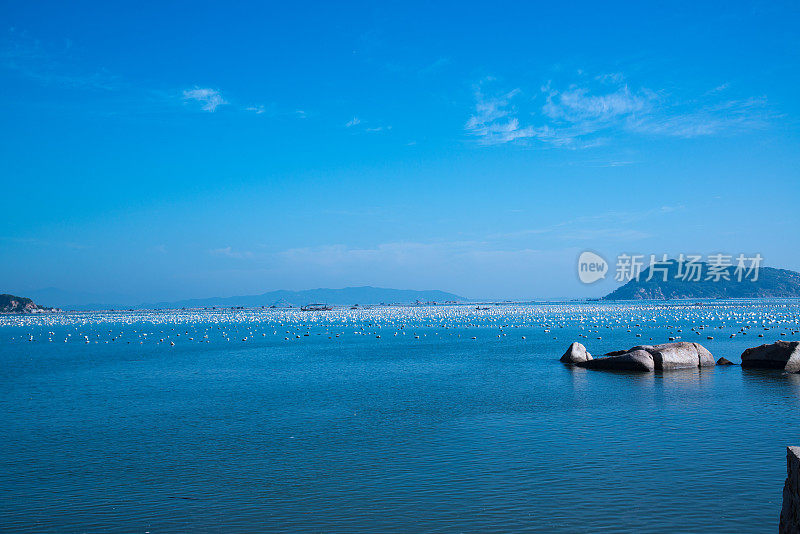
(315, 307)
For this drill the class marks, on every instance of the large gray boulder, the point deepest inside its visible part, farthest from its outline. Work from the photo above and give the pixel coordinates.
(784, 355)
(680, 355)
(632, 360)
(646, 358)
(576, 353)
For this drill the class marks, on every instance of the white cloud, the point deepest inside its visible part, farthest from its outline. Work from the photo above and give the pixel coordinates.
(732, 116)
(586, 114)
(611, 226)
(493, 121)
(364, 126)
(578, 105)
(210, 99)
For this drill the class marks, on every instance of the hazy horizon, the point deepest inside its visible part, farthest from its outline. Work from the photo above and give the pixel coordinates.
(78, 298)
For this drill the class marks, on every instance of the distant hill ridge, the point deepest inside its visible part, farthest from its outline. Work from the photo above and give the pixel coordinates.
(347, 296)
(363, 295)
(771, 283)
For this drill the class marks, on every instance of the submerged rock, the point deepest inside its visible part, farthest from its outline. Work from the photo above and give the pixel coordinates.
(576, 353)
(784, 355)
(646, 358)
(724, 361)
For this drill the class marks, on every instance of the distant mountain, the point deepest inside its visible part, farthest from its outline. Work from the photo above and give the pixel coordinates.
(347, 296)
(78, 300)
(771, 283)
(14, 304)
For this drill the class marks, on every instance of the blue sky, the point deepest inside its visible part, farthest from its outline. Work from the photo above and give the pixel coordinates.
(157, 151)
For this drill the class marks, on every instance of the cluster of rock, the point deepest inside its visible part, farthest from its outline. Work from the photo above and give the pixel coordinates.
(784, 355)
(645, 358)
(790, 513)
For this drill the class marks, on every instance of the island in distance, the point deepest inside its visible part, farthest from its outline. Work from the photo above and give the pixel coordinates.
(14, 304)
(771, 283)
(348, 296)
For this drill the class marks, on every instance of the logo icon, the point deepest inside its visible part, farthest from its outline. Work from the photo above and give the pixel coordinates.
(591, 267)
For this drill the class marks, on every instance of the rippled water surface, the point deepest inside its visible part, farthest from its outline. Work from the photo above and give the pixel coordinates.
(138, 422)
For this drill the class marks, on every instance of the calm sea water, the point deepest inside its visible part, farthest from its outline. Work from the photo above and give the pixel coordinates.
(422, 429)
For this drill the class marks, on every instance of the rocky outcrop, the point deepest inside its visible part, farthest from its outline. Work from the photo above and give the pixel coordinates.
(646, 358)
(14, 304)
(724, 361)
(784, 355)
(576, 353)
(790, 512)
(770, 283)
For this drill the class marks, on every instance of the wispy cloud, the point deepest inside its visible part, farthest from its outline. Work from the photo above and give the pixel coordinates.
(613, 226)
(578, 105)
(52, 66)
(728, 117)
(62, 67)
(404, 255)
(494, 121)
(364, 126)
(587, 112)
(209, 99)
(228, 252)
(393, 263)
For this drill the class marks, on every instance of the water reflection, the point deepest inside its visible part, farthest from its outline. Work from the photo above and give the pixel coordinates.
(771, 380)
